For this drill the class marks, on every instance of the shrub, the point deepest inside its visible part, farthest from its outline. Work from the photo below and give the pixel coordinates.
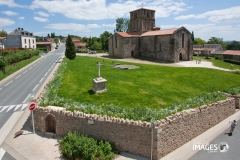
(75, 145)
(219, 57)
(233, 91)
(232, 61)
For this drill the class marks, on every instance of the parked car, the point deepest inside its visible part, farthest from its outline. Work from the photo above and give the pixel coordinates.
(56, 47)
(92, 52)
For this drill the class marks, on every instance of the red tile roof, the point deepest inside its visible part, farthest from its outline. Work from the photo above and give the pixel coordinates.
(204, 49)
(160, 32)
(232, 52)
(128, 34)
(79, 44)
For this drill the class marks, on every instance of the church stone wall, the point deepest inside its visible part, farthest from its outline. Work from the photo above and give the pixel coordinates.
(135, 136)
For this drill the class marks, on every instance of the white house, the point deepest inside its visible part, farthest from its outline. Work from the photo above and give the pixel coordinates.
(19, 38)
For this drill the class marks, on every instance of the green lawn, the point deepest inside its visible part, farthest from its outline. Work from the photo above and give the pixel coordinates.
(149, 86)
(217, 63)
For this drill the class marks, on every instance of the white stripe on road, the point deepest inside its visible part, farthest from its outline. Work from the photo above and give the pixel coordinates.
(11, 107)
(17, 107)
(26, 98)
(0, 89)
(18, 77)
(46, 74)
(30, 68)
(24, 106)
(2, 152)
(3, 108)
(24, 72)
(41, 80)
(8, 83)
(35, 87)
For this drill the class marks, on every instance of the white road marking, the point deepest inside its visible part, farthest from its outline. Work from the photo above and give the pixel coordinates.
(17, 107)
(26, 98)
(24, 106)
(8, 83)
(0, 89)
(49, 69)
(4, 108)
(30, 68)
(25, 72)
(10, 107)
(41, 80)
(2, 152)
(18, 76)
(46, 74)
(35, 87)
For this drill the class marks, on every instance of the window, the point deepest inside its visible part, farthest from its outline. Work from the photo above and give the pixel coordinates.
(160, 47)
(182, 40)
(33, 41)
(25, 40)
(115, 41)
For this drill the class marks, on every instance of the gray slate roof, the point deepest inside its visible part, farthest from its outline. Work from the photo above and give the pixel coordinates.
(21, 32)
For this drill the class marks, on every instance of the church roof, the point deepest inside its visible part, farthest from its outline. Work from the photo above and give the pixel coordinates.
(142, 9)
(128, 34)
(160, 32)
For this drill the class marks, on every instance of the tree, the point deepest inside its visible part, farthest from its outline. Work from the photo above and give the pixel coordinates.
(56, 40)
(122, 25)
(199, 41)
(48, 35)
(234, 45)
(215, 40)
(52, 35)
(70, 51)
(3, 33)
(104, 39)
(192, 37)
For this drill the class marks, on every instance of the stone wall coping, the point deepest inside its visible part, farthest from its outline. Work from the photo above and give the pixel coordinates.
(158, 123)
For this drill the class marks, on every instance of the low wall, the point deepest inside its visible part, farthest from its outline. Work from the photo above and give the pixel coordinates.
(135, 136)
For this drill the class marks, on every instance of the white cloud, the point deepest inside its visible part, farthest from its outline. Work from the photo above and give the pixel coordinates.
(109, 25)
(65, 26)
(93, 26)
(21, 18)
(206, 31)
(10, 13)
(10, 3)
(40, 19)
(224, 15)
(99, 9)
(43, 14)
(5, 22)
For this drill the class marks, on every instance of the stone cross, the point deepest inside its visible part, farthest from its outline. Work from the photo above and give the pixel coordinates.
(99, 69)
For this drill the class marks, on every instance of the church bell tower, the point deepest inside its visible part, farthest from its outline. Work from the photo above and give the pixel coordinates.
(142, 20)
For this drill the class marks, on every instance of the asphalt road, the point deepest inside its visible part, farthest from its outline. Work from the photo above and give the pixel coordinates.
(16, 92)
(231, 152)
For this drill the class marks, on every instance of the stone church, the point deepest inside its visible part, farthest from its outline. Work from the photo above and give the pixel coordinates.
(144, 40)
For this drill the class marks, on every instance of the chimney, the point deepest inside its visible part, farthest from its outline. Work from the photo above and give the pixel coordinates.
(21, 28)
(18, 28)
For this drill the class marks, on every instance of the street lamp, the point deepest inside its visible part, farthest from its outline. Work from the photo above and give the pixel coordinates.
(3, 56)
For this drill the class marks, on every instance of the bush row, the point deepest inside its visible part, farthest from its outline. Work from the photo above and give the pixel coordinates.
(232, 61)
(13, 56)
(77, 146)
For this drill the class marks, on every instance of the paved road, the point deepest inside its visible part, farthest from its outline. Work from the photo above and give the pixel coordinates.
(18, 90)
(230, 153)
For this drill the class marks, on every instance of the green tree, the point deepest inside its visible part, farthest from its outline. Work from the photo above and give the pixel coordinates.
(48, 35)
(104, 39)
(52, 35)
(70, 51)
(97, 45)
(122, 25)
(3, 33)
(215, 40)
(56, 40)
(192, 37)
(199, 41)
(234, 45)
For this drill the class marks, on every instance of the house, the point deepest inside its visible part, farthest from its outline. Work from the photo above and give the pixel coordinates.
(20, 38)
(47, 43)
(78, 44)
(144, 40)
(206, 49)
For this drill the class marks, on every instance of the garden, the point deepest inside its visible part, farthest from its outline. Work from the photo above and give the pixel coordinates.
(147, 92)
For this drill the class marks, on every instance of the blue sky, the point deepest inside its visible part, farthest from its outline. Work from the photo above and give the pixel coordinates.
(206, 18)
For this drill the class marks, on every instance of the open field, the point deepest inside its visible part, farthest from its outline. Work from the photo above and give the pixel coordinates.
(151, 87)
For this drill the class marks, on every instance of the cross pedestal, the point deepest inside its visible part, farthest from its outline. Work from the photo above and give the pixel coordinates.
(99, 84)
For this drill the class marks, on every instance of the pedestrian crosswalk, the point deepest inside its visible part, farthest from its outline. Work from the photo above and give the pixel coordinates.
(12, 108)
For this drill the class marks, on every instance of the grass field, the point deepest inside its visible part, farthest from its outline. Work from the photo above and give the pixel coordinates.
(139, 94)
(217, 63)
(16, 66)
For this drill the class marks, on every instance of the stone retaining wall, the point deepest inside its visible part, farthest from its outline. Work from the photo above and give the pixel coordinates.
(135, 136)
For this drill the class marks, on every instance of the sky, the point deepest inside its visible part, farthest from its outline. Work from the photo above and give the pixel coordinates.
(85, 18)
